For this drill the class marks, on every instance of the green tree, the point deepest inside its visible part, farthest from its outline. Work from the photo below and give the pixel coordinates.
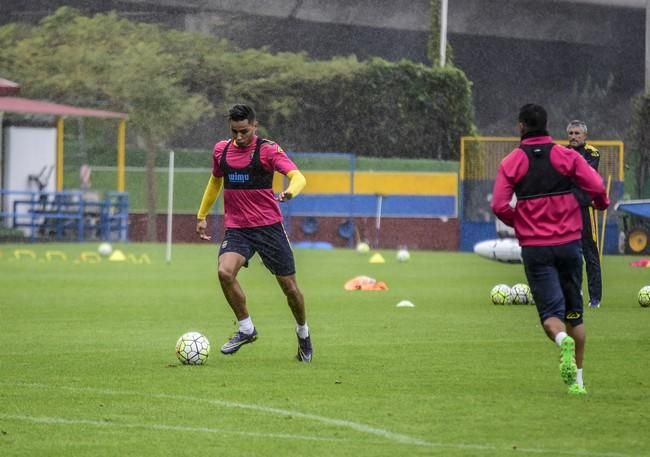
(111, 63)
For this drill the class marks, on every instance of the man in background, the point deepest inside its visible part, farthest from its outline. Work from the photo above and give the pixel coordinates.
(577, 133)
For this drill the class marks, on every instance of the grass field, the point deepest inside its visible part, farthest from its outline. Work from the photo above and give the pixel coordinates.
(87, 366)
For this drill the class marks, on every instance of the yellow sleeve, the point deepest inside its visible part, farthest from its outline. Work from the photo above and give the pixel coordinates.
(210, 195)
(297, 183)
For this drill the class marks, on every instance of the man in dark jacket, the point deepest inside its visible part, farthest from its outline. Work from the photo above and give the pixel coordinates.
(548, 225)
(577, 133)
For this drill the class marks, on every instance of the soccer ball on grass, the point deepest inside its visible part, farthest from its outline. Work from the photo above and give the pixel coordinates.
(644, 296)
(363, 247)
(105, 249)
(521, 294)
(192, 348)
(501, 294)
(403, 255)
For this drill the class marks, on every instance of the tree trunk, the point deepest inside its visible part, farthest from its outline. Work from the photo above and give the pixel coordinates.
(150, 164)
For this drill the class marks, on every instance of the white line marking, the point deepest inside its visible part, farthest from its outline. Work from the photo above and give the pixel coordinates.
(399, 438)
(177, 428)
(391, 436)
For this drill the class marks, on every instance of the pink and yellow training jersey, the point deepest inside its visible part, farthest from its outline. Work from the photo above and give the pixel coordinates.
(248, 195)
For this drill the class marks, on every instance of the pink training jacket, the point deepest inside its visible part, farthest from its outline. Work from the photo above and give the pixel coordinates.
(245, 208)
(552, 220)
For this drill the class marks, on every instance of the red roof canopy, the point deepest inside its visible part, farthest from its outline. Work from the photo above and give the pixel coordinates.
(24, 105)
(9, 87)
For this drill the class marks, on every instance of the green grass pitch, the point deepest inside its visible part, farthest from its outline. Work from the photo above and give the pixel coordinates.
(87, 366)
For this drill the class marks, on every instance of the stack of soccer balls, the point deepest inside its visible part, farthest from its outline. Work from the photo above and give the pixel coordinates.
(519, 294)
(192, 348)
(644, 296)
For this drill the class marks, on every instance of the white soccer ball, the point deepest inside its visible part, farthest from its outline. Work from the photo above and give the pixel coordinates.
(105, 249)
(521, 294)
(192, 348)
(644, 296)
(363, 247)
(403, 255)
(501, 294)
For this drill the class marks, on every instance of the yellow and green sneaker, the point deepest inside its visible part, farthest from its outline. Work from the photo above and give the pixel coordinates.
(568, 368)
(577, 389)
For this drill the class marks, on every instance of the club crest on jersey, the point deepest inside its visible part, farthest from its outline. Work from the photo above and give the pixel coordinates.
(592, 150)
(238, 177)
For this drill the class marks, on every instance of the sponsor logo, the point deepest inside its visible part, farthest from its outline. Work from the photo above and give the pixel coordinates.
(573, 315)
(224, 244)
(238, 177)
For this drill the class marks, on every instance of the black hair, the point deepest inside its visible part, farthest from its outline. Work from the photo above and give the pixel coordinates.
(533, 117)
(241, 113)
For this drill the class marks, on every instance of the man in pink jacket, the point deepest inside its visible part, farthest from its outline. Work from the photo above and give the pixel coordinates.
(548, 225)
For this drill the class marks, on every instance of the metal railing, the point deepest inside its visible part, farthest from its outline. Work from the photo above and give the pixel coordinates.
(66, 215)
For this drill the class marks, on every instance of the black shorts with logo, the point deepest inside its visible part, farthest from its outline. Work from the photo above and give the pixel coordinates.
(554, 275)
(269, 241)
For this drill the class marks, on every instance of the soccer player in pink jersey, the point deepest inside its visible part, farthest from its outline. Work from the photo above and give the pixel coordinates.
(244, 166)
(548, 225)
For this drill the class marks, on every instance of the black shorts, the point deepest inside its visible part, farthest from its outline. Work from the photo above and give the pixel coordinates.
(554, 275)
(269, 241)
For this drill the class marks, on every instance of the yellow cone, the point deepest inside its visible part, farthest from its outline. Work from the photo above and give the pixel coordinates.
(117, 256)
(377, 258)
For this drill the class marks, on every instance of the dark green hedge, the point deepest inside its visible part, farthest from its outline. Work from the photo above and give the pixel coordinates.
(377, 108)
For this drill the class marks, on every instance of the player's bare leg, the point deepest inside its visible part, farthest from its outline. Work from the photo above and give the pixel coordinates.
(296, 303)
(295, 299)
(229, 265)
(578, 334)
(553, 326)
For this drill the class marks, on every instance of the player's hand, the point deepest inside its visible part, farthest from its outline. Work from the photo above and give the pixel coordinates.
(601, 203)
(284, 196)
(201, 226)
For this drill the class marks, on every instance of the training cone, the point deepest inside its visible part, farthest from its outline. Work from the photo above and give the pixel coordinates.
(405, 304)
(377, 258)
(117, 256)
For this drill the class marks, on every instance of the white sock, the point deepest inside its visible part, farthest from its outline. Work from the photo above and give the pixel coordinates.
(559, 337)
(303, 330)
(246, 326)
(579, 380)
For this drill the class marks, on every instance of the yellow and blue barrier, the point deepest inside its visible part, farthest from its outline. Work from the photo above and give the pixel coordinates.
(403, 194)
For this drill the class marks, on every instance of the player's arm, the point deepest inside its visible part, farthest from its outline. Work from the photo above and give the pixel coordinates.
(210, 195)
(501, 197)
(297, 183)
(511, 170)
(591, 182)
